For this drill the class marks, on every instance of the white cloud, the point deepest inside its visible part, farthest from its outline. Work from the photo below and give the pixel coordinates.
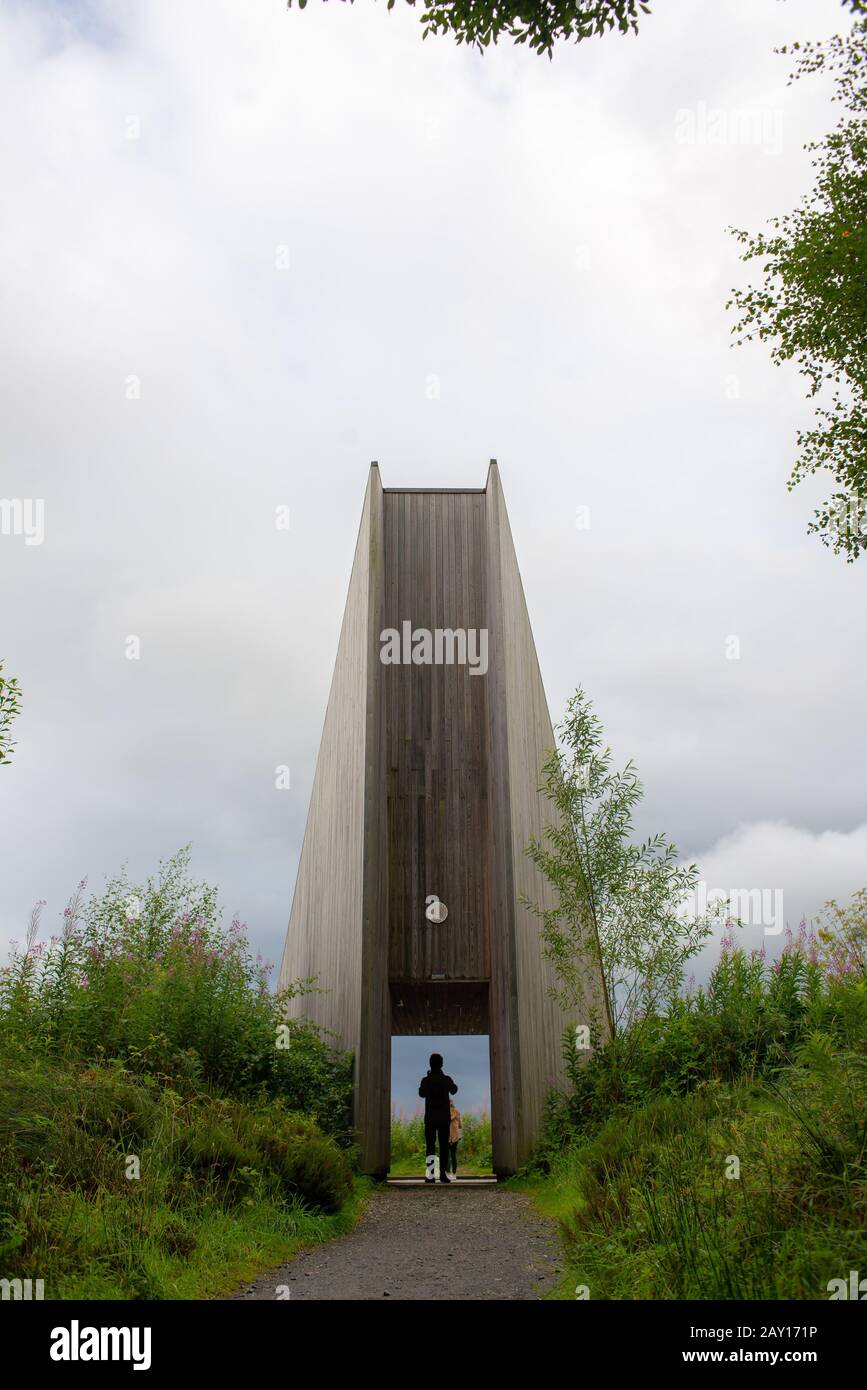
(794, 869)
(530, 232)
(811, 867)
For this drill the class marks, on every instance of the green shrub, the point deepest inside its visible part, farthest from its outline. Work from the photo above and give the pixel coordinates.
(749, 1021)
(307, 1162)
(720, 1151)
(148, 975)
(317, 1170)
(657, 1212)
(71, 1212)
(164, 1130)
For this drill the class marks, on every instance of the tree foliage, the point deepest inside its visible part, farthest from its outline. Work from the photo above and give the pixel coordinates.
(540, 23)
(618, 902)
(811, 304)
(10, 706)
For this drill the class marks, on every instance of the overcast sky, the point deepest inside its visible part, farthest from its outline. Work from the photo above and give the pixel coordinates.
(244, 252)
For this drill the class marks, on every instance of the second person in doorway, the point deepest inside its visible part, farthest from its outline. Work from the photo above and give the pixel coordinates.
(455, 1131)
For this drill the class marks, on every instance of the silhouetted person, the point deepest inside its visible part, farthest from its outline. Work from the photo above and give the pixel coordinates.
(436, 1088)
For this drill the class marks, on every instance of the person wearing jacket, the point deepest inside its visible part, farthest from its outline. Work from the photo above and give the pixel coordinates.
(455, 1131)
(436, 1088)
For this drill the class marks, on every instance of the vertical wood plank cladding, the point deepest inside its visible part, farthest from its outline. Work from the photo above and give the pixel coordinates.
(427, 782)
(436, 715)
(503, 1011)
(324, 936)
(441, 1007)
(540, 1021)
(373, 1071)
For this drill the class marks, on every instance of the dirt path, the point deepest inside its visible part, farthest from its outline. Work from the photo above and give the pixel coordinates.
(465, 1241)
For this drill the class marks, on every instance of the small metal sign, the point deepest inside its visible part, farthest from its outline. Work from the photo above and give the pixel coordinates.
(435, 911)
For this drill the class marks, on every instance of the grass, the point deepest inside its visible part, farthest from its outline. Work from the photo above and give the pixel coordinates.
(408, 1145)
(165, 1132)
(646, 1209)
(112, 1187)
(741, 1174)
(89, 1249)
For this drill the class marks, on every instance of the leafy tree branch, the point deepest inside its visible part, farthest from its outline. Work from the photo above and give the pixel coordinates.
(10, 706)
(618, 903)
(539, 23)
(811, 303)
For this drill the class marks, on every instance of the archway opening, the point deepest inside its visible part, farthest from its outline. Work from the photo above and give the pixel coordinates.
(466, 1058)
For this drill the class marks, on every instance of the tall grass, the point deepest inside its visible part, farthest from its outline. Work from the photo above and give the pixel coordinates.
(164, 1131)
(732, 1192)
(748, 1021)
(149, 975)
(408, 1145)
(112, 1186)
(720, 1151)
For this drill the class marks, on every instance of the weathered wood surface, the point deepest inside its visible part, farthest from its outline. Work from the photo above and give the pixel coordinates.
(436, 749)
(373, 1063)
(506, 1089)
(427, 784)
(540, 1020)
(324, 936)
(439, 1008)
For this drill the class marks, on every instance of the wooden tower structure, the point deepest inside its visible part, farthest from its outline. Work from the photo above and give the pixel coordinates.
(426, 792)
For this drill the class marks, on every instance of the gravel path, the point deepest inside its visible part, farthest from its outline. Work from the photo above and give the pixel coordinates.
(465, 1241)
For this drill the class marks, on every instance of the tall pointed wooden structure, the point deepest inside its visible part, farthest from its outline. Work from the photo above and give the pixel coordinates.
(426, 787)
